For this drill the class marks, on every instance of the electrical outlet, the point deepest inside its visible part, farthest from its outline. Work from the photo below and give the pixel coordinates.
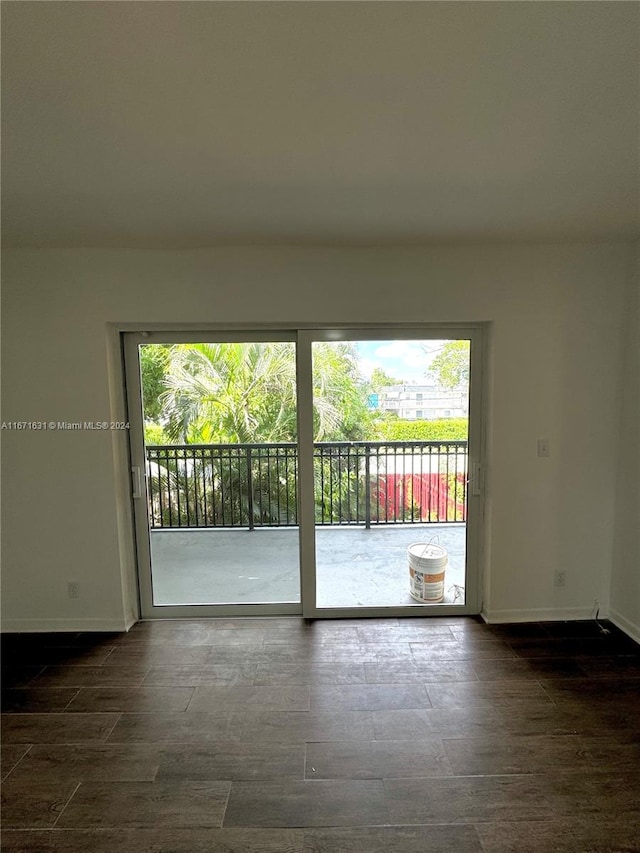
(73, 589)
(560, 578)
(543, 447)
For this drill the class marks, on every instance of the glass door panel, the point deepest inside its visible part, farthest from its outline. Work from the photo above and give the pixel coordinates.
(391, 471)
(217, 442)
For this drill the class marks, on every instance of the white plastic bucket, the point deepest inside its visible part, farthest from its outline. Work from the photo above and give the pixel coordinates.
(427, 564)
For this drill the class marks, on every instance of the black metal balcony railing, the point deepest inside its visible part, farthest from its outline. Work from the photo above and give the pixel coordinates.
(256, 485)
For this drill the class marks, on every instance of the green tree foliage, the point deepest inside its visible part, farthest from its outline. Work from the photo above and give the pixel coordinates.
(380, 379)
(451, 365)
(154, 434)
(246, 392)
(154, 363)
(229, 392)
(445, 429)
(340, 396)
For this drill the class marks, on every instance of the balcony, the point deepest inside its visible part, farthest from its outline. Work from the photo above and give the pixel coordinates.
(223, 520)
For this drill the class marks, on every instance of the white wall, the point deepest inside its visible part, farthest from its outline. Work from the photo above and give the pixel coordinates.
(625, 579)
(556, 351)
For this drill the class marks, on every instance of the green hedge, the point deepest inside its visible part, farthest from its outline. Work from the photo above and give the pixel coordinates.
(445, 429)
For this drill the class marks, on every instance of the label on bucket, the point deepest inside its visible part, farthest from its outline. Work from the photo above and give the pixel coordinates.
(426, 587)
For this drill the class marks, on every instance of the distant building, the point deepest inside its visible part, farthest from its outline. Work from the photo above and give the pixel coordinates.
(424, 402)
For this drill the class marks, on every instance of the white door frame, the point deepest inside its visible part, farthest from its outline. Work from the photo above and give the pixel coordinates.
(304, 335)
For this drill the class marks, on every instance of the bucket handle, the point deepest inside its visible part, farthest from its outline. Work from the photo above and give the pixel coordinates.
(430, 542)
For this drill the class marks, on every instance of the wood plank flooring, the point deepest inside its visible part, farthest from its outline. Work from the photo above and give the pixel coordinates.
(436, 735)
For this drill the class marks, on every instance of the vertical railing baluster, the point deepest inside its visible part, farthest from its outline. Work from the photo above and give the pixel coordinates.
(222, 488)
(367, 486)
(215, 482)
(231, 487)
(196, 496)
(203, 477)
(178, 489)
(250, 487)
(286, 480)
(269, 481)
(431, 483)
(378, 484)
(257, 490)
(187, 460)
(321, 486)
(235, 466)
(278, 485)
(340, 489)
(347, 489)
(439, 492)
(160, 495)
(152, 512)
(329, 460)
(295, 485)
(420, 481)
(169, 489)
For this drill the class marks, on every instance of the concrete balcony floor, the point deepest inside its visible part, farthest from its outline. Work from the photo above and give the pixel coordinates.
(355, 567)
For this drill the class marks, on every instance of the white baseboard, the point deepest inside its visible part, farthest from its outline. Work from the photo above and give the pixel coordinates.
(36, 625)
(545, 614)
(625, 624)
(130, 619)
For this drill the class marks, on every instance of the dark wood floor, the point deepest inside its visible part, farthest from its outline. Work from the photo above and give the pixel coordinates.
(278, 736)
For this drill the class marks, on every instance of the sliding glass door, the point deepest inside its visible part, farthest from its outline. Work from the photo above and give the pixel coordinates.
(331, 472)
(392, 503)
(214, 462)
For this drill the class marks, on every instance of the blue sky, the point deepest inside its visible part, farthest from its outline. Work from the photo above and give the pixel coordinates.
(405, 360)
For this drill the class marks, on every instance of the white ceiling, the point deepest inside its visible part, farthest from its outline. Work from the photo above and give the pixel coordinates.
(179, 124)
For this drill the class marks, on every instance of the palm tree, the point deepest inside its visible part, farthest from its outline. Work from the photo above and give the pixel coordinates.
(246, 392)
(229, 392)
